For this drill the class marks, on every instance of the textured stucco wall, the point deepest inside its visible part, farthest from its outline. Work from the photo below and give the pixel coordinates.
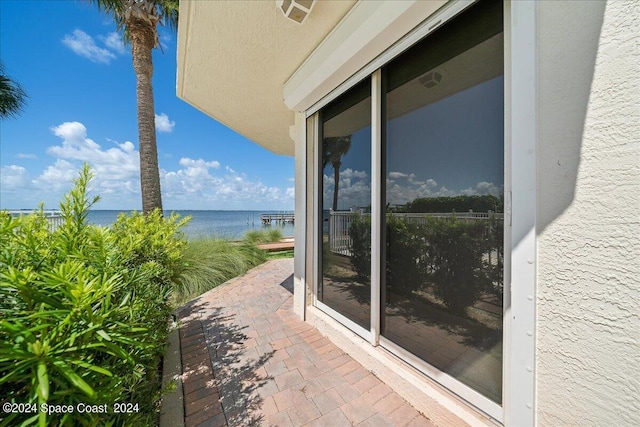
(588, 217)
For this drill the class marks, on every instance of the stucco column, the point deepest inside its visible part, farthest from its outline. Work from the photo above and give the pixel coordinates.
(297, 133)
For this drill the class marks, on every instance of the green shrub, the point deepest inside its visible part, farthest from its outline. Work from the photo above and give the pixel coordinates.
(83, 312)
(407, 252)
(449, 254)
(152, 240)
(495, 268)
(456, 250)
(360, 233)
(456, 204)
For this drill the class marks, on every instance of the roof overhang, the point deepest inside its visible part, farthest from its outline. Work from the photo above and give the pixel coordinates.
(249, 67)
(234, 58)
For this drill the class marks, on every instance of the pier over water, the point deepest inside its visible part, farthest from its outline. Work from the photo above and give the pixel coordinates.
(277, 218)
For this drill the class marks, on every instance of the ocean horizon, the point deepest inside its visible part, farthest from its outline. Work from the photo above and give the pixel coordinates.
(229, 224)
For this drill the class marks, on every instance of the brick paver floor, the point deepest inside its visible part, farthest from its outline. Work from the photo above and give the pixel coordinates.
(249, 360)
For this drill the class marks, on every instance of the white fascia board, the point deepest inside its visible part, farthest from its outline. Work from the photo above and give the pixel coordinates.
(366, 31)
(184, 24)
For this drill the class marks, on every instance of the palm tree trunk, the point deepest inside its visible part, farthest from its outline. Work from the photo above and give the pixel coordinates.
(142, 43)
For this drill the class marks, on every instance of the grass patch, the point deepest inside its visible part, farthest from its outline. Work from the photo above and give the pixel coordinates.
(209, 262)
(265, 235)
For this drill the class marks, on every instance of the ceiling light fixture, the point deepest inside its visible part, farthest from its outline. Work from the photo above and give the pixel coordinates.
(296, 10)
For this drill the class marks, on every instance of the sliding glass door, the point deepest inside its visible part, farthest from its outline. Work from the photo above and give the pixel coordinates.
(444, 194)
(439, 135)
(345, 157)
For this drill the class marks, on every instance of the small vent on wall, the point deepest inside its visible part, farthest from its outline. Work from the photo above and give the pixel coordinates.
(296, 10)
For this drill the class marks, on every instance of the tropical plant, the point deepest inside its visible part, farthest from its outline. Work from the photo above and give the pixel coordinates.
(83, 313)
(333, 149)
(209, 262)
(138, 20)
(12, 97)
(269, 235)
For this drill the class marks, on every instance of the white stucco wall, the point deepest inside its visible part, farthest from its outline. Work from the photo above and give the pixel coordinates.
(588, 215)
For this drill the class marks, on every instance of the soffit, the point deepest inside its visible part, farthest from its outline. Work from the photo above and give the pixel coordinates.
(235, 56)
(474, 66)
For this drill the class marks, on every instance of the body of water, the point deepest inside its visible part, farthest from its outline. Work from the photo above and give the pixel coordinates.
(227, 224)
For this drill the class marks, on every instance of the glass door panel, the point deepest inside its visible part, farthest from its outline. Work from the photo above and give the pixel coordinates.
(442, 296)
(345, 189)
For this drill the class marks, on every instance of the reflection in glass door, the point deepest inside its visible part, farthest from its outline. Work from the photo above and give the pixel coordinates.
(345, 185)
(444, 169)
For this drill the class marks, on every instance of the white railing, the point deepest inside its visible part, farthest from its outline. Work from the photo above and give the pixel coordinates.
(340, 223)
(54, 217)
(339, 239)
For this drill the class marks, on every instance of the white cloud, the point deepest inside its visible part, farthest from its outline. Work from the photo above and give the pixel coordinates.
(399, 194)
(27, 156)
(116, 169)
(397, 175)
(13, 177)
(83, 45)
(114, 42)
(163, 124)
(199, 184)
(350, 174)
(290, 193)
(199, 164)
(165, 39)
(192, 184)
(483, 188)
(57, 177)
(354, 189)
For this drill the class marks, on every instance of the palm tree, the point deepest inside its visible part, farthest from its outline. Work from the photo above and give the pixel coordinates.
(139, 19)
(333, 149)
(12, 97)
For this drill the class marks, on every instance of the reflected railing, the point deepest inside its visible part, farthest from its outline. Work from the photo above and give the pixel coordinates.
(340, 240)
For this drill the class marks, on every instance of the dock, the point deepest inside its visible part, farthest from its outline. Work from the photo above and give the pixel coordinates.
(283, 245)
(277, 218)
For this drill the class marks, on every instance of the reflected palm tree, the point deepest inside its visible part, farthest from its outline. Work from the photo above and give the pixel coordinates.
(333, 149)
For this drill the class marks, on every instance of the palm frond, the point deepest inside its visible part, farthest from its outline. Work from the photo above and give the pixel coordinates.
(153, 12)
(12, 96)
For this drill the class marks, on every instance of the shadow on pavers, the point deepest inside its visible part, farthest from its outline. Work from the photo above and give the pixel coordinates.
(235, 379)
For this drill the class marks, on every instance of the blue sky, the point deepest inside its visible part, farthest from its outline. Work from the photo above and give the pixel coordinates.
(446, 148)
(82, 107)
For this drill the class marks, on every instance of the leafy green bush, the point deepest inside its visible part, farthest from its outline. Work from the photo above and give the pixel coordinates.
(360, 233)
(407, 252)
(494, 265)
(83, 312)
(456, 250)
(448, 254)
